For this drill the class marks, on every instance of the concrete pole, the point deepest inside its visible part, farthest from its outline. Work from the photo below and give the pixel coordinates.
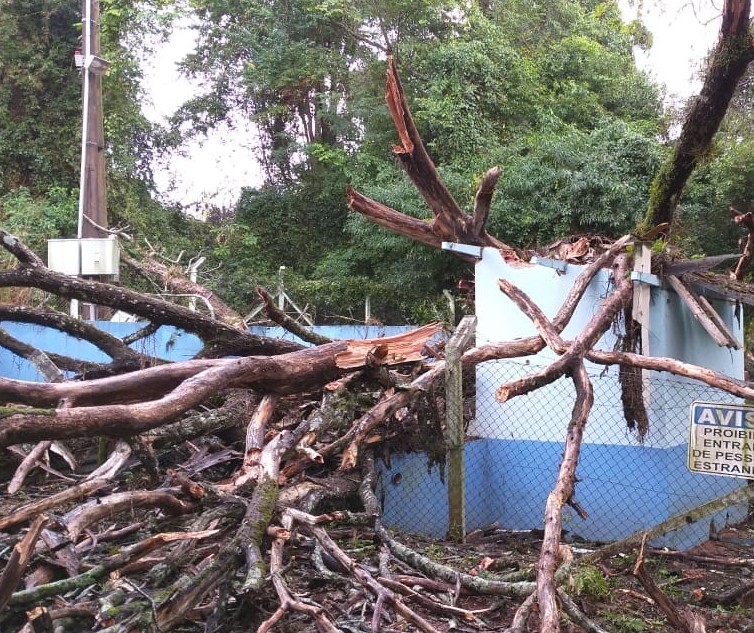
(93, 191)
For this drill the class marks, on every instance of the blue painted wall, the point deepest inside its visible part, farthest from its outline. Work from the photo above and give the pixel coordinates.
(168, 342)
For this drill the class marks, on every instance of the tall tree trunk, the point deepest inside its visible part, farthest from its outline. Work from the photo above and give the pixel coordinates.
(727, 65)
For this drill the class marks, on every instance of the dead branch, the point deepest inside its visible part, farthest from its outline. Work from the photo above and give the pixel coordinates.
(76, 328)
(686, 622)
(231, 414)
(81, 517)
(177, 282)
(141, 333)
(366, 579)
(745, 220)
(255, 433)
(732, 596)
(670, 365)
(40, 621)
(378, 414)
(35, 356)
(483, 200)
(521, 619)
(276, 315)
(413, 228)
(449, 222)
(26, 466)
(563, 491)
(93, 575)
(245, 544)
(19, 250)
(32, 460)
(407, 347)
(315, 365)
(475, 584)
(534, 344)
(26, 512)
(286, 373)
(585, 341)
(287, 601)
(97, 480)
(18, 561)
(218, 337)
(577, 616)
(741, 495)
(262, 506)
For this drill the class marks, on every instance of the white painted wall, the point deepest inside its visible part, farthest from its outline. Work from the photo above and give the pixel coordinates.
(544, 414)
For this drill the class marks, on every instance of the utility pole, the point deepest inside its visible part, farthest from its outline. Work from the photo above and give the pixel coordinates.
(94, 253)
(92, 186)
(92, 194)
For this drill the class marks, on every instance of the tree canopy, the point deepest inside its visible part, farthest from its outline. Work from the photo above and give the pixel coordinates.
(550, 92)
(547, 92)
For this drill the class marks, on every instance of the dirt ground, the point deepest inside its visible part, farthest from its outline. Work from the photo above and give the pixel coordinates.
(608, 593)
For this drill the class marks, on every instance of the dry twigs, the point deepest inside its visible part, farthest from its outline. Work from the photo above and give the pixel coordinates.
(253, 458)
(684, 620)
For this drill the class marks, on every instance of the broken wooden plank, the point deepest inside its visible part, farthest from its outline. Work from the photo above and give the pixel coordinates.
(642, 294)
(701, 265)
(722, 286)
(454, 433)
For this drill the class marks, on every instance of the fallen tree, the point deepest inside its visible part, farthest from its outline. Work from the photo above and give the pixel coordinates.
(284, 448)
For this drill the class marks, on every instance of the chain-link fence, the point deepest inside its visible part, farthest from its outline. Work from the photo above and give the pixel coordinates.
(629, 477)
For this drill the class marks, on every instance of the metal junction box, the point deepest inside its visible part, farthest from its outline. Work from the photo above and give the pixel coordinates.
(86, 256)
(64, 256)
(100, 256)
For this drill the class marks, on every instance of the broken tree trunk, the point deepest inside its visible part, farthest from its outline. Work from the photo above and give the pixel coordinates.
(177, 282)
(450, 223)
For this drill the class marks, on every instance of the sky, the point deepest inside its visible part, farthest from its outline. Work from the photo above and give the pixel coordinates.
(207, 170)
(212, 170)
(683, 33)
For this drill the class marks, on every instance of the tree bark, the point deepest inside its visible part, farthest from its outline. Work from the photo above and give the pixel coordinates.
(176, 281)
(450, 223)
(730, 58)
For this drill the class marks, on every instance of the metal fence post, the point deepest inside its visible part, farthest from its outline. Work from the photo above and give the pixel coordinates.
(454, 431)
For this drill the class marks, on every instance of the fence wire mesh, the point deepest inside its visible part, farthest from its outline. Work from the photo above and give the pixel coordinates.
(627, 480)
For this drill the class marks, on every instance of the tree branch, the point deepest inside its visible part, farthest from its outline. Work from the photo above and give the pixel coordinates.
(176, 281)
(449, 222)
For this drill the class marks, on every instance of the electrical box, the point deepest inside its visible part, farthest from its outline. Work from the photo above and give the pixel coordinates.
(100, 256)
(64, 256)
(92, 256)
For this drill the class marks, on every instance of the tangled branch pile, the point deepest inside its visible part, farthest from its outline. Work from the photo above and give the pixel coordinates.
(229, 469)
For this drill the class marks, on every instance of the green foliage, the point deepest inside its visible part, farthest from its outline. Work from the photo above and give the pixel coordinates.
(40, 124)
(309, 217)
(40, 93)
(35, 219)
(590, 582)
(624, 623)
(236, 252)
(726, 180)
(569, 181)
(476, 94)
(550, 91)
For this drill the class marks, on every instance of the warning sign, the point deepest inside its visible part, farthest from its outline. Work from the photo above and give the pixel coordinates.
(721, 441)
